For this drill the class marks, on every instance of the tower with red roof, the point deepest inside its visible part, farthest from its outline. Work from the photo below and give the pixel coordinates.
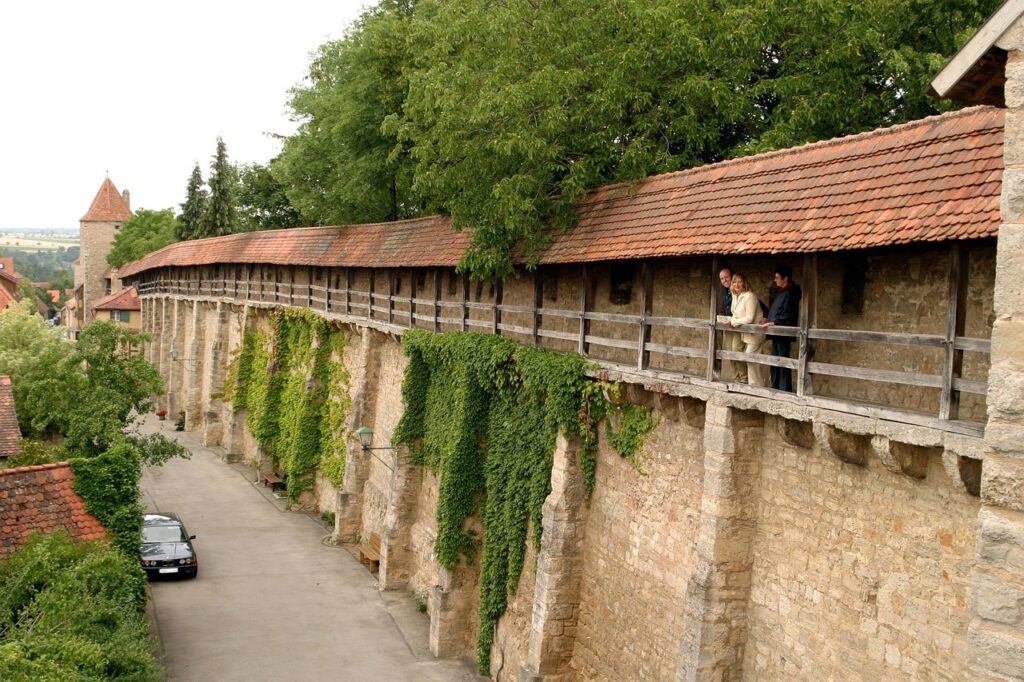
(100, 223)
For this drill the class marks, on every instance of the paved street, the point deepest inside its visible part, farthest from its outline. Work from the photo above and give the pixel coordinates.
(272, 600)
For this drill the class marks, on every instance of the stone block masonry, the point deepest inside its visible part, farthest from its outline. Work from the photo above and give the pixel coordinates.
(740, 543)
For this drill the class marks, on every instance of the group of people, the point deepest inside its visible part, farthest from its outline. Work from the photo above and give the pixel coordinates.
(742, 307)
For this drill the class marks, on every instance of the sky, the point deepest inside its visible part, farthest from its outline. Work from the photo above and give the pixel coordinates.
(141, 90)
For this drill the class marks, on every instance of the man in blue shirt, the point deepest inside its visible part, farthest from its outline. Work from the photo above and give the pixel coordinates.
(785, 312)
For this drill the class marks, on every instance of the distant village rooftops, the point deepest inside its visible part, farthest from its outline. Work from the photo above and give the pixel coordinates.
(933, 180)
(108, 205)
(10, 434)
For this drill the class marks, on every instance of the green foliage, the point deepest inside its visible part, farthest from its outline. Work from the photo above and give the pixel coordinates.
(109, 484)
(32, 352)
(634, 423)
(46, 265)
(193, 212)
(73, 611)
(222, 211)
(340, 167)
(297, 403)
(484, 414)
(262, 202)
(143, 233)
(504, 114)
(35, 452)
(103, 388)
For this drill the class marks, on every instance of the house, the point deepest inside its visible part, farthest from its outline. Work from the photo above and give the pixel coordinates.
(10, 434)
(99, 225)
(42, 499)
(122, 306)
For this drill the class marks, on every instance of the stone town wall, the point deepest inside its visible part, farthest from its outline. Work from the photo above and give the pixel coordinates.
(858, 572)
(638, 552)
(738, 545)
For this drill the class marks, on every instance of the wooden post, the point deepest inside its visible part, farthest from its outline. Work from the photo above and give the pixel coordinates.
(583, 347)
(369, 307)
(328, 276)
(348, 290)
(391, 296)
(277, 284)
(465, 299)
(437, 298)
(291, 285)
(496, 317)
(716, 297)
(538, 303)
(646, 304)
(309, 286)
(949, 399)
(808, 320)
(412, 298)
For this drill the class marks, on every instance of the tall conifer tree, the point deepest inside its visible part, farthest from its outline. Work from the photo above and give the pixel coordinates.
(222, 213)
(193, 212)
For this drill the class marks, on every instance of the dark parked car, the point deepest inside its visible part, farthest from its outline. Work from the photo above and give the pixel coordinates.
(167, 547)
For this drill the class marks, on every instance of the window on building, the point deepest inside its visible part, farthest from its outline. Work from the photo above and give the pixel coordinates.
(855, 270)
(120, 315)
(620, 290)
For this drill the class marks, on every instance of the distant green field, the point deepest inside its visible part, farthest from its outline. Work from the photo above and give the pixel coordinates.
(27, 242)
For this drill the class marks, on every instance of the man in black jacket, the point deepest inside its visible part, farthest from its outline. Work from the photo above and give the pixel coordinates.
(784, 311)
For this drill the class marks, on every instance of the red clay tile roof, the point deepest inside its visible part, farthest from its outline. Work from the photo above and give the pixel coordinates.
(41, 498)
(10, 434)
(7, 265)
(933, 180)
(108, 206)
(125, 299)
(5, 298)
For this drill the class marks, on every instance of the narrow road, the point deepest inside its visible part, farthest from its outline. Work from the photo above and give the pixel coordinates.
(272, 601)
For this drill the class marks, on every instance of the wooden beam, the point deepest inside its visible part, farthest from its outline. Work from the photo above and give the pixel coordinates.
(309, 286)
(949, 399)
(291, 285)
(412, 298)
(538, 303)
(437, 297)
(496, 315)
(328, 281)
(348, 291)
(646, 307)
(369, 307)
(583, 348)
(808, 320)
(391, 296)
(465, 299)
(715, 298)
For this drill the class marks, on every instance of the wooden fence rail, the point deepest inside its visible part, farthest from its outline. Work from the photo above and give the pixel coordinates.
(392, 311)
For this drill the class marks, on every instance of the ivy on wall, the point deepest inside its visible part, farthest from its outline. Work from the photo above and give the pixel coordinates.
(483, 413)
(295, 386)
(109, 484)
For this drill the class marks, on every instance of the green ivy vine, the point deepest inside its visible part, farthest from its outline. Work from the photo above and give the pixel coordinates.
(109, 484)
(294, 384)
(634, 423)
(483, 413)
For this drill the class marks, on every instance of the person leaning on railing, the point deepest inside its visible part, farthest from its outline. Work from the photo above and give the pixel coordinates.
(785, 312)
(746, 309)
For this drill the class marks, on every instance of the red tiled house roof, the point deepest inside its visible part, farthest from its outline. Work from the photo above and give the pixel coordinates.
(5, 298)
(108, 206)
(41, 498)
(10, 434)
(933, 180)
(125, 299)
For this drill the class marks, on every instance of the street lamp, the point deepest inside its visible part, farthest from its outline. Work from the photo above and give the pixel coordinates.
(365, 434)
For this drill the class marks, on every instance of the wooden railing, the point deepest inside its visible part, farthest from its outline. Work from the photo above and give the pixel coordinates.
(435, 314)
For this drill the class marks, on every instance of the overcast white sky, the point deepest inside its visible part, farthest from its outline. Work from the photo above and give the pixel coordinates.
(142, 89)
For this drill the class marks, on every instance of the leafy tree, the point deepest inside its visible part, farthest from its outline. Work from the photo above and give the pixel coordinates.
(221, 212)
(503, 115)
(192, 224)
(341, 167)
(30, 352)
(262, 201)
(105, 385)
(143, 233)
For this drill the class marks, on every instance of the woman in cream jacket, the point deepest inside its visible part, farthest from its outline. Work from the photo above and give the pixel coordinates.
(747, 310)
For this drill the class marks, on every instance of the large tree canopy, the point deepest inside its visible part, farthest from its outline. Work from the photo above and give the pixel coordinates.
(143, 233)
(503, 114)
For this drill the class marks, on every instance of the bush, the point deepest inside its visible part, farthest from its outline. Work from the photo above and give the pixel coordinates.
(73, 611)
